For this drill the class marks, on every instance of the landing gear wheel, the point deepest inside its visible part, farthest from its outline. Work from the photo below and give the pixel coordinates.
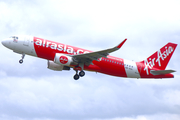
(76, 77)
(21, 61)
(82, 73)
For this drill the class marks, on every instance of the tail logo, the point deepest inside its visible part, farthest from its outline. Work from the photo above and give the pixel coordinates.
(161, 56)
(63, 59)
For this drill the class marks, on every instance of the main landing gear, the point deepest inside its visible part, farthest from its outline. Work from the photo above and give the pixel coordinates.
(81, 73)
(21, 60)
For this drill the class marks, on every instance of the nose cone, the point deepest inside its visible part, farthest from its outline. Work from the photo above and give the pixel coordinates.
(7, 43)
(4, 43)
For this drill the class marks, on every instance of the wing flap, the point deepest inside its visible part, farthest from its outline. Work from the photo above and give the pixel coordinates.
(161, 72)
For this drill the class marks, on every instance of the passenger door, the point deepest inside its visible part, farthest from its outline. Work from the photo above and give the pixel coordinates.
(26, 41)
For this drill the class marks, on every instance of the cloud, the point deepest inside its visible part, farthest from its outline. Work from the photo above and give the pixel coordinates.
(57, 97)
(31, 91)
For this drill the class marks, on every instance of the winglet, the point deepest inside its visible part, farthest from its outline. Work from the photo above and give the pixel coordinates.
(120, 45)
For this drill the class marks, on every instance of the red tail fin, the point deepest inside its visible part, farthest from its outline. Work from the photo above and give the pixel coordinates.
(161, 58)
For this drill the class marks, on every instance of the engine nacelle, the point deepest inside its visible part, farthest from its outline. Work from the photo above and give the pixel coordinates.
(57, 67)
(62, 59)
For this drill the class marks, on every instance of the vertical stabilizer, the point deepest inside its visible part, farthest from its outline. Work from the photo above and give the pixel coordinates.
(160, 58)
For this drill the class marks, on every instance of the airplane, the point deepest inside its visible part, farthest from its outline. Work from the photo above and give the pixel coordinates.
(64, 57)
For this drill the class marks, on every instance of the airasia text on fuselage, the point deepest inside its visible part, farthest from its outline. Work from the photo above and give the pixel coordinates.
(59, 46)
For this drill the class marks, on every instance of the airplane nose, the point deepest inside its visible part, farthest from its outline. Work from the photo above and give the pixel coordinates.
(4, 43)
(8, 43)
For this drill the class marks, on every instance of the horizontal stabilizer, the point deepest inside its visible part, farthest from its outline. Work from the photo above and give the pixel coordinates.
(161, 72)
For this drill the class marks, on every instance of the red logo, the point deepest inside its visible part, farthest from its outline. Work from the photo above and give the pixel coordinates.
(63, 59)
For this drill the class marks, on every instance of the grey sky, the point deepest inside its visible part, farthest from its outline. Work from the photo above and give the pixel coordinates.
(32, 92)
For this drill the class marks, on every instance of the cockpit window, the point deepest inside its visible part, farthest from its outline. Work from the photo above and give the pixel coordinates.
(15, 38)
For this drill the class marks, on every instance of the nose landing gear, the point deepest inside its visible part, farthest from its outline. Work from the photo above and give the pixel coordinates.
(21, 60)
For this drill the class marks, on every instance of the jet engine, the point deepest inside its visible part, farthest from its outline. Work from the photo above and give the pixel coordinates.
(57, 67)
(62, 59)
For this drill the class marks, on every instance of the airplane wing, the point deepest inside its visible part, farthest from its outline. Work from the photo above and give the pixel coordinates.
(87, 58)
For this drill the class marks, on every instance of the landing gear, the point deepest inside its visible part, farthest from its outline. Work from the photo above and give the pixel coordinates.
(81, 73)
(76, 77)
(21, 60)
